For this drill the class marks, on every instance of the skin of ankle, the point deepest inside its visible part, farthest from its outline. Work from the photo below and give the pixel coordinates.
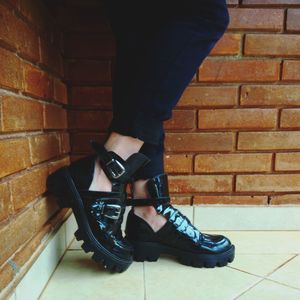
(123, 145)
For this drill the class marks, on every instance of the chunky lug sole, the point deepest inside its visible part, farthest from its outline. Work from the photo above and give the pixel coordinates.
(61, 184)
(149, 251)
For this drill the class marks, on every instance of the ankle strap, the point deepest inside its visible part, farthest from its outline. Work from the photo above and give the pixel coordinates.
(116, 168)
(147, 201)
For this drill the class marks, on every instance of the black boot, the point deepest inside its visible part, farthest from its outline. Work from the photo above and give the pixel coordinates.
(99, 214)
(178, 237)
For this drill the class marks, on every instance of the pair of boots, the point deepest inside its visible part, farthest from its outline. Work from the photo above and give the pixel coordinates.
(99, 216)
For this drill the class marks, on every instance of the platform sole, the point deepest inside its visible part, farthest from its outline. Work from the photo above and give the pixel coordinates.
(61, 185)
(148, 251)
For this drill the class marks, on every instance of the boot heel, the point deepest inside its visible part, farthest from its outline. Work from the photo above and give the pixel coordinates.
(57, 184)
(145, 251)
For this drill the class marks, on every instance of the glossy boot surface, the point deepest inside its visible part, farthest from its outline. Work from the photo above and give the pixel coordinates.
(99, 214)
(178, 237)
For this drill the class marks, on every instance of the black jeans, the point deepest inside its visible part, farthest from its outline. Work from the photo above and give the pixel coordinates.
(160, 45)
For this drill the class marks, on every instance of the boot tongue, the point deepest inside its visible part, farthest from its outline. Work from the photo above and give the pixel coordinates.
(158, 186)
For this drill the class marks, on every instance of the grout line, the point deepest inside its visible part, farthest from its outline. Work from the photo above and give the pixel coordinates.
(284, 263)
(248, 289)
(284, 284)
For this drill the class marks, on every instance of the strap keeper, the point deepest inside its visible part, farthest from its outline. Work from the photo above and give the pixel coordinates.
(147, 201)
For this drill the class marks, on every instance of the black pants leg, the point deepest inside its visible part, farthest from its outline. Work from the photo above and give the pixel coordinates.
(159, 49)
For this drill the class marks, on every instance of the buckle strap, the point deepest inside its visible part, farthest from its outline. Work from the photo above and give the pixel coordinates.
(100, 208)
(117, 168)
(147, 201)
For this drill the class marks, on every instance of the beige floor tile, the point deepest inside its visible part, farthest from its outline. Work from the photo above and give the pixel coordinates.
(268, 290)
(247, 217)
(263, 242)
(289, 273)
(167, 279)
(78, 277)
(259, 264)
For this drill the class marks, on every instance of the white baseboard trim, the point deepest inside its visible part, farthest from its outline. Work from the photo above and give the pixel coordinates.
(205, 217)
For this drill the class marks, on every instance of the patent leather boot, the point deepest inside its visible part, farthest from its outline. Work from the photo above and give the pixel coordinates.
(99, 214)
(178, 237)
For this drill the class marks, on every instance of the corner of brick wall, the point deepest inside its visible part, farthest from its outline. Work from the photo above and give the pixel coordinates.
(33, 131)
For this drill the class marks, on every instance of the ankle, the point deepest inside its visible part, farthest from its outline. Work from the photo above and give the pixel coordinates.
(123, 145)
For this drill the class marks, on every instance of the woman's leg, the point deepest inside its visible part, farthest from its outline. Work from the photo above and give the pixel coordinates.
(156, 59)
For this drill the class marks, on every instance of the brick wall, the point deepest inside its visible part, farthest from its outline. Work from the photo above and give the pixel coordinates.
(33, 131)
(234, 136)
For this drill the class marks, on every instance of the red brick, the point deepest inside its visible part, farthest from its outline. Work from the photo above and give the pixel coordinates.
(95, 120)
(14, 156)
(269, 140)
(233, 162)
(287, 161)
(293, 20)
(204, 141)
(37, 82)
(284, 45)
(256, 19)
(285, 199)
(181, 200)
(8, 32)
(237, 118)
(92, 96)
(60, 91)
(178, 163)
(272, 95)
(271, 2)
(291, 70)
(51, 57)
(28, 186)
(268, 183)
(5, 201)
(201, 96)
(232, 199)
(43, 147)
(21, 114)
(229, 44)
(10, 66)
(181, 119)
(36, 13)
(45, 209)
(89, 71)
(20, 229)
(103, 45)
(84, 19)
(200, 183)
(65, 142)
(28, 42)
(290, 118)
(55, 165)
(239, 70)
(55, 117)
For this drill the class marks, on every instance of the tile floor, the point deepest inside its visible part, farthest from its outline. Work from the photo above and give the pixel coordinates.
(266, 267)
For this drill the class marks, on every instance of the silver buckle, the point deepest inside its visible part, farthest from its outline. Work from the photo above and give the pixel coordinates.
(117, 211)
(115, 173)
